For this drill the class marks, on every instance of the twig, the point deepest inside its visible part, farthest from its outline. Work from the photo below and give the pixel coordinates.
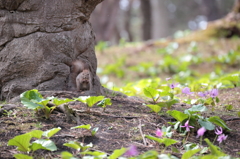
(140, 129)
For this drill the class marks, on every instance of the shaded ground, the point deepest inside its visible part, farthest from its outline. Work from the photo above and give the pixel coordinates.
(120, 126)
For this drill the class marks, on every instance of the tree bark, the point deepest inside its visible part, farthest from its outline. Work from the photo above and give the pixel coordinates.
(39, 41)
(147, 19)
(104, 19)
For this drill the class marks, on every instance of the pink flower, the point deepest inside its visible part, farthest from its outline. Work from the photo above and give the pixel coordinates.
(203, 94)
(218, 131)
(132, 151)
(186, 90)
(214, 93)
(201, 131)
(221, 138)
(173, 85)
(187, 126)
(159, 133)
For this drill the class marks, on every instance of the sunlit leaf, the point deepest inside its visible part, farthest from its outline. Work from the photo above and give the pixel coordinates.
(154, 108)
(22, 156)
(190, 153)
(179, 116)
(117, 153)
(44, 144)
(51, 132)
(88, 127)
(73, 144)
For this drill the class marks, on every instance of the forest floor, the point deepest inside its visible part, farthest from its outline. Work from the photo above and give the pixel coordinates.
(122, 124)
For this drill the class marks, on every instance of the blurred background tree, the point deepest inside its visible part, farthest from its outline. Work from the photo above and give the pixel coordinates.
(140, 20)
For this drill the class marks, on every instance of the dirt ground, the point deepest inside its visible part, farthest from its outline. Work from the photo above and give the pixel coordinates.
(122, 124)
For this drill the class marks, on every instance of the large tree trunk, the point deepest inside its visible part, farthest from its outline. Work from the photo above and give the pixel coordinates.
(147, 19)
(39, 41)
(104, 20)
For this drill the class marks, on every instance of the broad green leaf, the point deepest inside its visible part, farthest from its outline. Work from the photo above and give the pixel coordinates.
(151, 93)
(151, 154)
(167, 142)
(97, 154)
(58, 102)
(93, 99)
(82, 99)
(21, 141)
(45, 144)
(206, 124)
(67, 155)
(51, 132)
(171, 102)
(22, 156)
(216, 120)
(74, 145)
(94, 131)
(117, 153)
(154, 108)
(154, 138)
(31, 98)
(105, 102)
(36, 133)
(190, 153)
(214, 149)
(179, 116)
(197, 108)
(88, 127)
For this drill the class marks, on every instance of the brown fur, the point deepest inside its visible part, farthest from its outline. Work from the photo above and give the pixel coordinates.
(81, 75)
(83, 80)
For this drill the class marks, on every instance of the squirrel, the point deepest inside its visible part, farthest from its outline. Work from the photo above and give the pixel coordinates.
(82, 75)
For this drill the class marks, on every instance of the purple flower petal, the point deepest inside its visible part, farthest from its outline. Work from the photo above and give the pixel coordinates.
(218, 131)
(201, 131)
(186, 90)
(159, 133)
(214, 93)
(132, 151)
(221, 138)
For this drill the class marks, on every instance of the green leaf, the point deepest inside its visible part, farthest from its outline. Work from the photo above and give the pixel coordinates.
(21, 141)
(31, 98)
(216, 120)
(97, 154)
(51, 132)
(154, 108)
(154, 138)
(93, 99)
(88, 127)
(214, 149)
(36, 133)
(151, 93)
(82, 99)
(171, 102)
(74, 145)
(58, 102)
(197, 108)
(167, 142)
(190, 153)
(105, 102)
(179, 116)
(206, 124)
(22, 156)
(67, 155)
(117, 153)
(151, 154)
(44, 144)
(94, 131)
